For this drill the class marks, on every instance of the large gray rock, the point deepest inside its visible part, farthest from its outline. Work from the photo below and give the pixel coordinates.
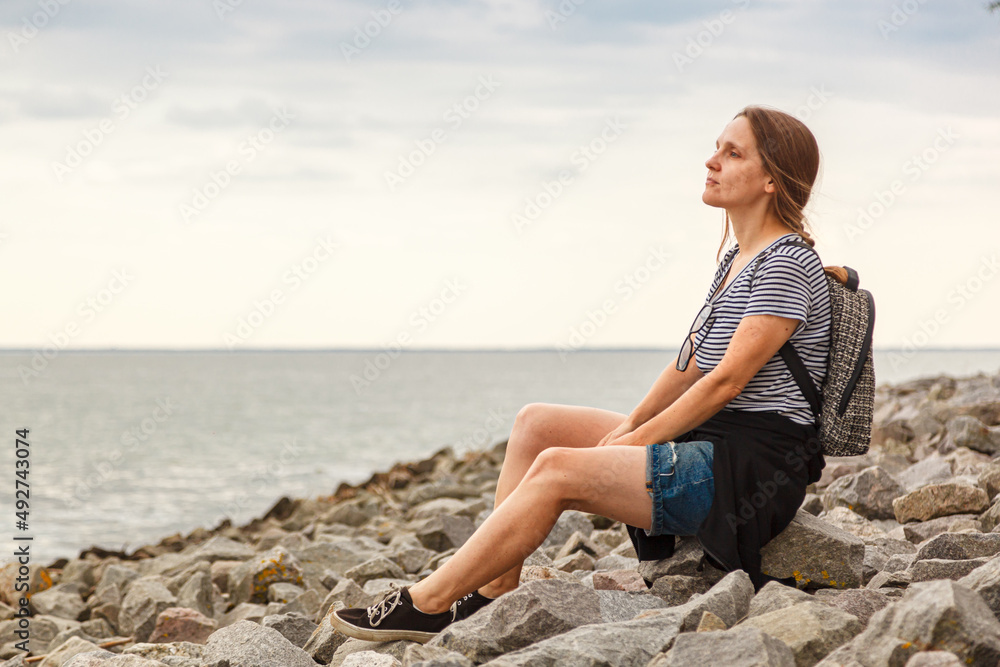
(624, 605)
(62, 600)
(686, 560)
(101, 659)
(676, 589)
(934, 659)
(860, 602)
(960, 546)
(249, 581)
(198, 593)
(530, 613)
(625, 643)
(967, 431)
(736, 647)
(931, 470)
(943, 568)
(220, 548)
(370, 659)
(985, 580)
(296, 629)
(421, 655)
(378, 567)
(855, 524)
(44, 629)
(569, 522)
(729, 599)
(815, 553)
(247, 644)
(868, 493)
(936, 500)
(811, 629)
(393, 649)
(346, 592)
(324, 642)
(775, 595)
(920, 531)
(174, 654)
(932, 614)
(73, 646)
(337, 554)
(145, 599)
(443, 532)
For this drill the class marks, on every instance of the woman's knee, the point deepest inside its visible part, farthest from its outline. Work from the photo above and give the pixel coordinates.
(529, 426)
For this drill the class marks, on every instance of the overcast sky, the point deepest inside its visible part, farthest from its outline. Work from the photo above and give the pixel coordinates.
(501, 173)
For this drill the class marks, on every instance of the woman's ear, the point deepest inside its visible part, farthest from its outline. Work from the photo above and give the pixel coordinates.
(769, 186)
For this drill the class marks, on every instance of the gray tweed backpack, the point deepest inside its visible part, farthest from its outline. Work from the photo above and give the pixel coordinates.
(845, 411)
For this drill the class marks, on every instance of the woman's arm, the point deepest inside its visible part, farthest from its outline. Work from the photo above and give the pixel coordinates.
(755, 341)
(671, 384)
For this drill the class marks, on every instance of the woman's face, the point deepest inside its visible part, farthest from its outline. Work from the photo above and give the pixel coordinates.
(736, 177)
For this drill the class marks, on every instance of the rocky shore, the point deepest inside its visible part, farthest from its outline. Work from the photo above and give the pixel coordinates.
(895, 554)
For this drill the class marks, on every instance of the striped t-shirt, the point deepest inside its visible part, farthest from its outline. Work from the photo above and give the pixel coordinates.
(790, 283)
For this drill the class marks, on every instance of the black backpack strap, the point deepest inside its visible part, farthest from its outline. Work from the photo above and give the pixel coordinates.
(801, 375)
(787, 351)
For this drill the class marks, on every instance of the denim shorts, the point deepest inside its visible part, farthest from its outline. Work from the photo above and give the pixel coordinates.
(680, 482)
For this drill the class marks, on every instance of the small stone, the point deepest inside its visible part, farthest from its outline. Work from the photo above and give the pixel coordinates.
(921, 531)
(61, 654)
(775, 595)
(710, 622)
(249, 581)
(378, 567)
(934, 659)
(221, 548)
(936, 500)
(625, 605)
(960, 546)
(940, 568)
(324, 642)
(620, 580)
(967, 431)
(443, 532)
(738, 647)
(283, 592)
(244, 611)
(676, 589)
(146, 598)
(62, 600)
(868, 493)
(179, 624)
(421, 655)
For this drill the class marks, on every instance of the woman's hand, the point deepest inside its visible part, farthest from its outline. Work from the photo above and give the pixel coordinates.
(619, 436)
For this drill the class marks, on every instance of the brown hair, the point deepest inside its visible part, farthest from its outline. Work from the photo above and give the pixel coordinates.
(790, 156)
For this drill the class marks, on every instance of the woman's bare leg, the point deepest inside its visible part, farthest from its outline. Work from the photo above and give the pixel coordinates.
(609, 481)
(539, 426)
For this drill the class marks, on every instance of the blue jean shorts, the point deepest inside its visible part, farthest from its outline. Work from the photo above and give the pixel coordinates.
(680, 482)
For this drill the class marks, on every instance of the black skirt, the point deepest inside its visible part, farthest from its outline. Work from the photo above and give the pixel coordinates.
(762, 464)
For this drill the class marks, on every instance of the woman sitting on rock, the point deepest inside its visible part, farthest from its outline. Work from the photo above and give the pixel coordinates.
(722, 448)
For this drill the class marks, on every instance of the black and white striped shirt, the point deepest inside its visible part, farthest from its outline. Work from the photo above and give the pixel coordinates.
(790, 283)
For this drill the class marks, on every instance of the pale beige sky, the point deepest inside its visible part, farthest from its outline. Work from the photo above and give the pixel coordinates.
(484, 174)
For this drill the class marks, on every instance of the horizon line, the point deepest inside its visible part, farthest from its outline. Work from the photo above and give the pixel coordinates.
(5, 350)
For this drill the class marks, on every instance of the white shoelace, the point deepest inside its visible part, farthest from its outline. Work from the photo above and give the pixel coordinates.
(454, 605)
(379, 608)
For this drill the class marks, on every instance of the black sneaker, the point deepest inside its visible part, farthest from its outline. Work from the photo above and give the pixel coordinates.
(392, 617)
(469, 605)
